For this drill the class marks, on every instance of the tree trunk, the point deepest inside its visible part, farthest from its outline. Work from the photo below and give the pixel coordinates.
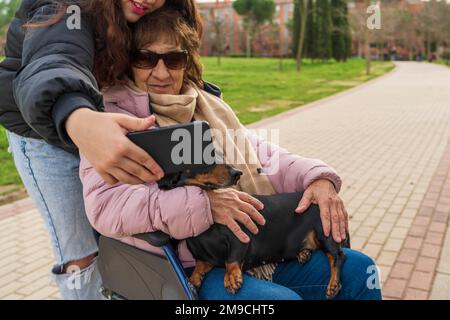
(367, 51)
(249, 44)
(303, 7)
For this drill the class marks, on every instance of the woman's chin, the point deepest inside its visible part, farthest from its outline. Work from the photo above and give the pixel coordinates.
(132, 17)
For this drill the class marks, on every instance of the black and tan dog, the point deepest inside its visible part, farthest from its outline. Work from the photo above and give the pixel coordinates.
(286, 234)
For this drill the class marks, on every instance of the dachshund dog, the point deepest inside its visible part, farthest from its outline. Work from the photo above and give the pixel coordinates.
(286, 234)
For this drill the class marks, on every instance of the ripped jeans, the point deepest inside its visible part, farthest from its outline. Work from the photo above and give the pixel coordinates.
(51, 178)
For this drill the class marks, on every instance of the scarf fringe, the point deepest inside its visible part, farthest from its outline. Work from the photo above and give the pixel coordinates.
(264, 272)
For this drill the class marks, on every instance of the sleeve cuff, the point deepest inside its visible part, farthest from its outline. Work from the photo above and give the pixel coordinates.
(323, 173)
(64, 106)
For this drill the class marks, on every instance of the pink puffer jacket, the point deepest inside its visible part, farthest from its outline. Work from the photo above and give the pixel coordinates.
(120, 211)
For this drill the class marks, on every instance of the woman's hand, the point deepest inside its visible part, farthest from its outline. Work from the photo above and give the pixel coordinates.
(101, 138)
(230, 205)
(332, 209)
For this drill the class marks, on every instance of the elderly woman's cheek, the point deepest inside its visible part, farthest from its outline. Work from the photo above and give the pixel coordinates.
(140, 78)
(178, 76)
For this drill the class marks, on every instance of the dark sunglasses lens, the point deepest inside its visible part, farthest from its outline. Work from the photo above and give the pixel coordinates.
(175, 60)
(147, 60)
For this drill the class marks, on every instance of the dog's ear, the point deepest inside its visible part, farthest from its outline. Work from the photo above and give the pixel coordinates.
(183, 176)
(170, 181)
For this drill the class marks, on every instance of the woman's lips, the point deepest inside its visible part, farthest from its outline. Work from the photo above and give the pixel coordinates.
(160, 88)
(138, 7)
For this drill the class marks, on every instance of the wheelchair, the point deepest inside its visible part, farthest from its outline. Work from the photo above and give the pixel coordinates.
(129, 273)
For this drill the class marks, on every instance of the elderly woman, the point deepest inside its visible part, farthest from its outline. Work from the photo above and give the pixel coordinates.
(165, 80)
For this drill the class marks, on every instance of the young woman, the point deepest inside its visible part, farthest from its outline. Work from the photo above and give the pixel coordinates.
(166, 73)
(50, 83)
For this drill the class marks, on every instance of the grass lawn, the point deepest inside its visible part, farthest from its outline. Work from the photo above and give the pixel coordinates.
(8, 173)
(256, 89)
(443, 62)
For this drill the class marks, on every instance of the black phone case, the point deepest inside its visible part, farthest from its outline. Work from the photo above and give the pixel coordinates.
(159, 143)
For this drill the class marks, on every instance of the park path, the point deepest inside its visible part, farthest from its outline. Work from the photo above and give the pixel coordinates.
(389, 140)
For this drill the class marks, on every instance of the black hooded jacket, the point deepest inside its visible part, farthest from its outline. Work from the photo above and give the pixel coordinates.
(47, 74)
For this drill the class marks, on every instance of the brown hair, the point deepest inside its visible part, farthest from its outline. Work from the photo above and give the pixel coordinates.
(113, 32)
(168, 24)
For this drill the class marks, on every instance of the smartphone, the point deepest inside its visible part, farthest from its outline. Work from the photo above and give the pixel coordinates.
(178, 147)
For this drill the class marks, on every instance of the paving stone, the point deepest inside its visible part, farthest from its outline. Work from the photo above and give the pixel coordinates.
(402, 270)
(393, 245)
(430, 250)
(421, 280)
(441, 287)
(426, 264)
(394, 288)
(387, 258)
(413, 242)
(408, 255)
(415, 294)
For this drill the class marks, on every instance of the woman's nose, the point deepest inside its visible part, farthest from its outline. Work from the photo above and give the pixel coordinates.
(160, 71)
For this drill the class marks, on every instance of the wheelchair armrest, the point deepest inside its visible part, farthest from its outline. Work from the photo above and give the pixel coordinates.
(156, 238)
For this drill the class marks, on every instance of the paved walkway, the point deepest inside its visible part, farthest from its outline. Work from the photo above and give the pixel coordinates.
(388, 139)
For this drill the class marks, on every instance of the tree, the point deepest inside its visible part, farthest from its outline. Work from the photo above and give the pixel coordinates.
(295, 28)
(358, 21)
(302, 7)
(341, 39)
(254, 13)
(324, 29)
(311, 31)
(309, 36)
(218, 25)
(433, 21)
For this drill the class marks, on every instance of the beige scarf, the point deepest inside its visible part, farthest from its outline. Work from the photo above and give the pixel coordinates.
(196, 104)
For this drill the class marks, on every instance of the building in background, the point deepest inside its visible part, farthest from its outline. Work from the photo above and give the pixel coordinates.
(223, 30)
(396, 38)
(222, 22)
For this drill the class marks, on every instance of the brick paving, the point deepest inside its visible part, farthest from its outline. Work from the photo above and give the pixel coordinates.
(25, 254)
(415, 267)
(389, 141)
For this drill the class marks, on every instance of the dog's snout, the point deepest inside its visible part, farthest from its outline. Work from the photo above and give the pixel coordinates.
(235, 173)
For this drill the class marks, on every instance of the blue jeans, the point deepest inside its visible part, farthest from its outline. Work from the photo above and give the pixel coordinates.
(293, 281)
(51, 178)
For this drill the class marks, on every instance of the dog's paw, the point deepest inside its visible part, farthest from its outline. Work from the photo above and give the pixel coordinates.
(304, 256)
(196, 279)
(333, 290)
(233, 281)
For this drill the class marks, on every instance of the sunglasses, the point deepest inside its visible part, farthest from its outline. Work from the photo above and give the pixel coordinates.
(145, 59)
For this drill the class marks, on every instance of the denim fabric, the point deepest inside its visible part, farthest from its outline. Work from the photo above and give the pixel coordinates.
(51, 178)
(293, 281)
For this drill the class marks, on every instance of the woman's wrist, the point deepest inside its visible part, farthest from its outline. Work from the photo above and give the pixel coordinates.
(75, 117)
